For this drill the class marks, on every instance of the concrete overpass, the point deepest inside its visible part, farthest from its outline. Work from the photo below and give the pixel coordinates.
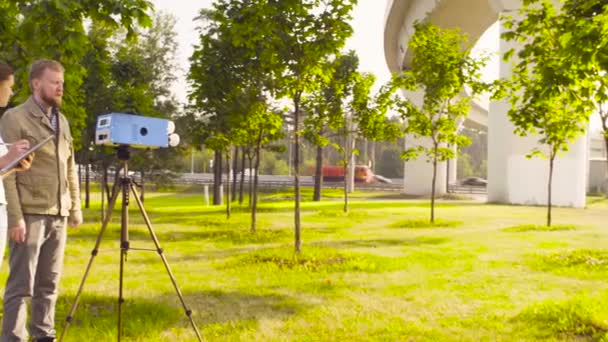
(512, 178)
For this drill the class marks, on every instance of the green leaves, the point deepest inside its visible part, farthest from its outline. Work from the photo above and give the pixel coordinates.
(440, 68)
(55, 29)
(549, 90)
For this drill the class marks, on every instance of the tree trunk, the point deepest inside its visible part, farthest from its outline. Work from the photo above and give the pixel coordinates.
(87, 185)
(217, 177)
(228, 153)
(606, 142)
(296, 172)
(435, 148)
(235, 167)
(318, 174)
(107, 183)
(346, 180)
(551, 162)
(351, 165)
(103, 186)
(143, 186)
(251, 169)
(373, 157)
(366, 152)
(604, 119)
(242, 177)
(254, 202)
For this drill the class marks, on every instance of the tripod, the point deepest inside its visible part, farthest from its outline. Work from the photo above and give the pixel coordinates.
(126, 186)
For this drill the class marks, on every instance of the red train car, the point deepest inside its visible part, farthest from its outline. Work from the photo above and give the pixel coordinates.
(333, 173)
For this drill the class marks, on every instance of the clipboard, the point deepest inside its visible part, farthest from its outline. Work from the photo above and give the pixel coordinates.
(17, 160)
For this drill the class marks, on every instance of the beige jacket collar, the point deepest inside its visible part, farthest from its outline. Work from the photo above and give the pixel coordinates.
(33, 108)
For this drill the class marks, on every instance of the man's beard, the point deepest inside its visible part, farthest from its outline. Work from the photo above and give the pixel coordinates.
(50, 100)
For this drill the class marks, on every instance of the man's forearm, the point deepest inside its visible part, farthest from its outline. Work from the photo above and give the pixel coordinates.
(73, 185)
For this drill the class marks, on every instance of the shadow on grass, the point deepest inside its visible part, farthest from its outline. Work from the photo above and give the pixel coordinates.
(96, 318)
(316, 258)
(374, 243)
(421, 224)
(536, 227)
(286, 205)
(235, 236)
(213, 312)
(596, 199)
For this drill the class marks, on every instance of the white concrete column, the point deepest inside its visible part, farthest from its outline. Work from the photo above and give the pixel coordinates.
(453, 168)
(418, 174)
(514, 179)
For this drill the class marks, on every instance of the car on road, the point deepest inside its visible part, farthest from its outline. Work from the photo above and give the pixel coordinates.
(474, 181)
(382, 179)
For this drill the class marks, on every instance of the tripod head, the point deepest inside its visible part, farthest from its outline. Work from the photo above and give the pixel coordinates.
(123, 152)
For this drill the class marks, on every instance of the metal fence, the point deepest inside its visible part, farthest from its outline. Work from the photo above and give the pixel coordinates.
(282, 181)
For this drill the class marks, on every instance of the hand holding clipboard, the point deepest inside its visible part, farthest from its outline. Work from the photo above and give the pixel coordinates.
(23, 160)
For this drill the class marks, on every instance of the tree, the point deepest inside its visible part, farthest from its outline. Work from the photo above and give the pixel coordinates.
(213, 76)
(282, 41)
(232, 84)
(55, 29)
(324, 108)
(441, 66)
(97, 99)
(131, 76)
(547, 95)
(304, 33)
(585, 45)
(143, 73)
(266, 124)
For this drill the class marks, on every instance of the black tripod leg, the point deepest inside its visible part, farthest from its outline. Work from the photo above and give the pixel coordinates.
(124, 247)
(162, 256)
(94, 252)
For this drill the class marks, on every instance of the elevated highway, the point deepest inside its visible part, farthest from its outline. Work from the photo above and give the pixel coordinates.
(512, 178)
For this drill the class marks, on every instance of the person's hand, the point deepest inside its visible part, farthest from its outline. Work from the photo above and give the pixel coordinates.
(75, 219)
(17, 232)
(26, 163)
(18, 148)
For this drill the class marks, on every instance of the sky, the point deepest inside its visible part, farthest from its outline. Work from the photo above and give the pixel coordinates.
(367, 39)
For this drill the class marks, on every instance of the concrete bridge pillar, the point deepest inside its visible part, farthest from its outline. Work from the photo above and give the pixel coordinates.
(418, 173)
(514, 179)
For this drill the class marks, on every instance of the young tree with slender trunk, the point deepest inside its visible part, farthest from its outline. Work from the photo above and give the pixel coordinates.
(548, 97)
(325, 109)
(441, 67)
(306, 32)
(584, 44)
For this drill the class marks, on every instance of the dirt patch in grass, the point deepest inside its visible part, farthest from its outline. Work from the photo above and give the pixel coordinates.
(536, 227)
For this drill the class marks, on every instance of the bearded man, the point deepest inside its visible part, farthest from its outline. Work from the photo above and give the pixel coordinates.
(41, 202)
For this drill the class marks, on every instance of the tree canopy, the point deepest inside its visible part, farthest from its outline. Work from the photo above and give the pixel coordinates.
(549, 92)
(55, 29)
(441, 67)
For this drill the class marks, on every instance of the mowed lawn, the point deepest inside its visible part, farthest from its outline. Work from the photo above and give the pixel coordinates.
(375, 274)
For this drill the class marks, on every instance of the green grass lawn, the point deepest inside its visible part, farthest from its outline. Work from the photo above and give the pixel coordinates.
(379, 273)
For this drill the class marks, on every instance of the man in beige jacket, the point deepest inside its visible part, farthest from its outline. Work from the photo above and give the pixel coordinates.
(40, 203)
